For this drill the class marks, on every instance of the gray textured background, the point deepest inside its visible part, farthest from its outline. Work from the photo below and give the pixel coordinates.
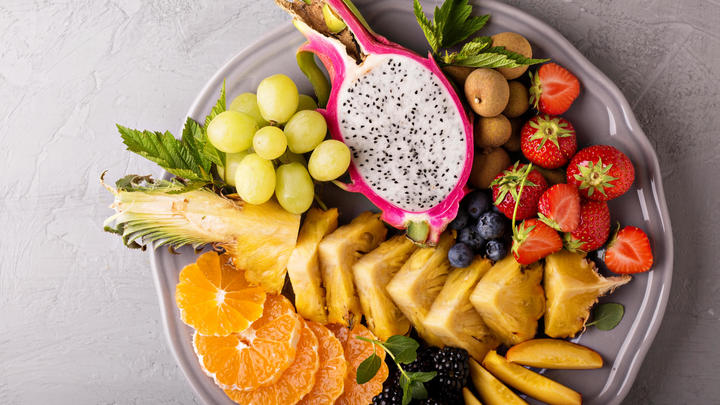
(79, 319)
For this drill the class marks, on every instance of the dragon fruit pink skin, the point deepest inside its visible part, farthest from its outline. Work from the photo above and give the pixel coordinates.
(428, 215)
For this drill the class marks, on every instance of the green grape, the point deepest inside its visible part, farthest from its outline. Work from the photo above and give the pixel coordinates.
(232, 160)
(255, 179)
(277, 98)
(306, 102)
(305, 130)
(269, 142)
(289, 157)
(232, 131)
(329, 160)
(247, 103)
(294, 190)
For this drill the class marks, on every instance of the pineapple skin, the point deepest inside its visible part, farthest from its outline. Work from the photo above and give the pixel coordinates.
(372, 273)
(510, 300)
(452, 317)
(418, 283)
(338, 252)
(573, 286)
(304, 264)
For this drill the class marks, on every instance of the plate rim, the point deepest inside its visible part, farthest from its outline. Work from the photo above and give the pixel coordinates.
(636, 361)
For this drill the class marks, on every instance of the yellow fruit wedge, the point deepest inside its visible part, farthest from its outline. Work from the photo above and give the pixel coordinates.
(338, 252)
(554, 353)
(491, 390)
(372, 273)
(418, 283)
(530, 382)
(510, 300)
(304, 265)
(572, 286)
(470, 398)
(453, 318)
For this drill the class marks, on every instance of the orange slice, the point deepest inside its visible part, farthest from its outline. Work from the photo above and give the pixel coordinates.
(215, 299)
(356, 351)
(259, 355)
(294, 383)
(330, 379)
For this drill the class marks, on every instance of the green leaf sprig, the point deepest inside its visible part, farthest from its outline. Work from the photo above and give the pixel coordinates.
(402, 350)
(452, 24)
(190, 158)
(607, 316)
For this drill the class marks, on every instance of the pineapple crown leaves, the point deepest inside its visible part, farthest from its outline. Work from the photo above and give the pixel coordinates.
(549, 128)
(402, 350)
(595, 176)
(510, 180)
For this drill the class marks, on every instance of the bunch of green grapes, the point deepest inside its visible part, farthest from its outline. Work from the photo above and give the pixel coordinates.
(265, 137)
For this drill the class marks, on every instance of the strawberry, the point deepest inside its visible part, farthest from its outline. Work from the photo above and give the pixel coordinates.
(534, 240)
(593, 230)
(547, 141)
(629, 252)
(601, 172)
(506, 186)
(553, 89)
(559, 207)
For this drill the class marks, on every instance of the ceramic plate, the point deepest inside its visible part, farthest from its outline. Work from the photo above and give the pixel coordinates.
(601, 115)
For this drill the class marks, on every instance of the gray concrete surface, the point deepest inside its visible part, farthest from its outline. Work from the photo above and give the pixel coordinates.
(79, 320)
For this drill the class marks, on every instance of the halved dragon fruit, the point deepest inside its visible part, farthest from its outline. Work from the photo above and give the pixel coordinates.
(410, 137)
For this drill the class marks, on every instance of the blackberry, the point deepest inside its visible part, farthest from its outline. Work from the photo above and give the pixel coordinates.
(452, 368)
(392, 393)
(430, 401)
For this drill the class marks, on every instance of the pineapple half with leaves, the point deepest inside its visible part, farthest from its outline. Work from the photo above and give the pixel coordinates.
(573, 286)
(452, 316)
(372, 273)
(304, 264)
(259, 238)
(338, 252)
(418, 283)
(510, 300)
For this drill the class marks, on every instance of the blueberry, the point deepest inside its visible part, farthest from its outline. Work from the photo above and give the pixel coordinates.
(476, 203)
(495, 250)
(460, 255)
(470, 237)
(461, 220)
(492, 225)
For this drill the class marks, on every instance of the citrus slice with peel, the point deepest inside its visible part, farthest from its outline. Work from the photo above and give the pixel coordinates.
(257, 356)
(356, 351)
(330, 379)
(294, 383)
(214, 298)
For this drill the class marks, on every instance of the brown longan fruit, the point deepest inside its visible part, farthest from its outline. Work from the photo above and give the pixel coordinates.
(515, 42)
(492, 131)
(487, 92)
(487, 165)
(457, 73)
(519, 101)
(513, 144)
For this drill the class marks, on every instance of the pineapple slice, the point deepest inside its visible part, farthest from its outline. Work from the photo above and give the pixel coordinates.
(573, 286)
(338, 252)
(452, 316)
(418, 283)
(304, 265)
(372, 273)
(510, 300)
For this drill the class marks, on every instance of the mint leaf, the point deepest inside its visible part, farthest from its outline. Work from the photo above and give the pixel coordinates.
(403, 348)
(422, 376)
(418, 390)
(495, 57)
(368, 368)
(475, 46)
(219, 107)
(455, 22)
(405, 385)
(429, 29)
(607, 316)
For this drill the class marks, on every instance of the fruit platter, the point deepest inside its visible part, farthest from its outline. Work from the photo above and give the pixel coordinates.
(423, 203)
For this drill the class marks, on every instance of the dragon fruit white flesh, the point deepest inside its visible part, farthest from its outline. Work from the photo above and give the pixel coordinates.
(410, 137)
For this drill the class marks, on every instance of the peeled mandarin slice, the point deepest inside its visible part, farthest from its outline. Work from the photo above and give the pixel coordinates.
(214, 298)
(259, 355)
(294, 383)
(356, 351)
(330, 379)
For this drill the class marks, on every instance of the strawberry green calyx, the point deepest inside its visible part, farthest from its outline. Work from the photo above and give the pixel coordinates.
(535, 89)
(595, 177)
(520, 234)
(510, 180)
(549, 129)
(572, 244)
(549, 222)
